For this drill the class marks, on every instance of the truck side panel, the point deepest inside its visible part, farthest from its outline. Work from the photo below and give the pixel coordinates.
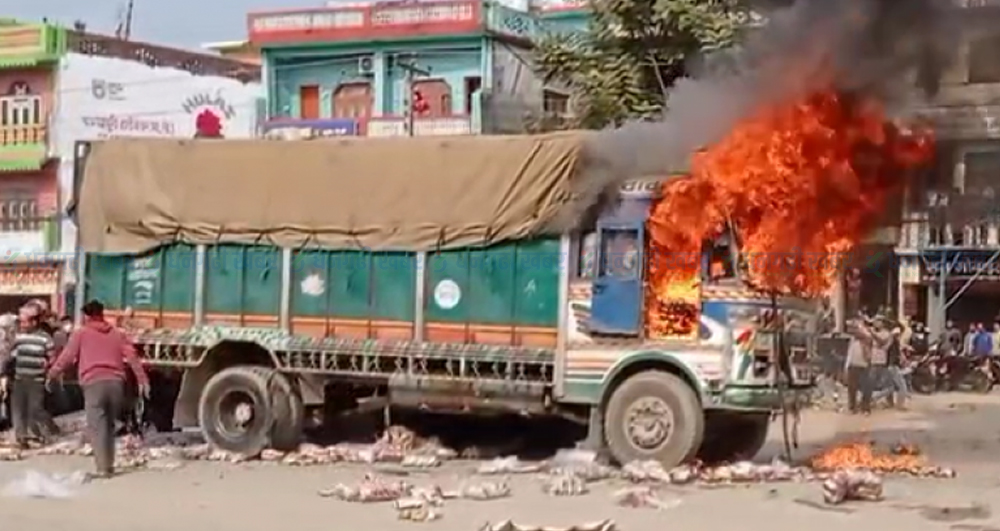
(158, 285)
(353, 294)
(506, 294)
(243, 285)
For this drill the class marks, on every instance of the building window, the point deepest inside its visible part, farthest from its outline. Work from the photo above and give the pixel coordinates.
(555, 102)
(19, 214)
(20, 107)
(982, 60)
(982, 172)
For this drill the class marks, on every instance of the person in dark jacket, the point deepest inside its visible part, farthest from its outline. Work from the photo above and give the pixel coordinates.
(101, 352)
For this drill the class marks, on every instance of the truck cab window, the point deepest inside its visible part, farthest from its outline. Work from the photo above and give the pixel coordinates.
(720, 264)
(620, 255)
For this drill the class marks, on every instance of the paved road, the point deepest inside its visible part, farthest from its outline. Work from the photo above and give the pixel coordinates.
(956, 430)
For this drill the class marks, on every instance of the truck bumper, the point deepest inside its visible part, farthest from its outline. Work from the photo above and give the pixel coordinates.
(764, 397)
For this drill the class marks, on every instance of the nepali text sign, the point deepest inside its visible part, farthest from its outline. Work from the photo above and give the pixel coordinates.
(960, 264)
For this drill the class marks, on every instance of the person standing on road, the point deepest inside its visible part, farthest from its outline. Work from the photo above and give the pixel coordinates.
(101, 351)
(969, 342)
(982, 343)
(952, 340)
(897, 377)
(30, 348)
(857, 370)
(995, 350)
(882, 340)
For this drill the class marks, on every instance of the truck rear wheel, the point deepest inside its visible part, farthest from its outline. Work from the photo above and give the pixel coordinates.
(653, 415)
(235, 410)
(289, 415)
(734, 438)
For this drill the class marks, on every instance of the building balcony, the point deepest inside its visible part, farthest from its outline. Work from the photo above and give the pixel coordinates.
(301, 129)
(918, 234)
(388, 20)
(441, 126)
(964, 122)
(28, 239)
(23, 147)
(29, 44)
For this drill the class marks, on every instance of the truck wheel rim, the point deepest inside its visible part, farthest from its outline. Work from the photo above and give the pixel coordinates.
(649, 422)
(236, 413)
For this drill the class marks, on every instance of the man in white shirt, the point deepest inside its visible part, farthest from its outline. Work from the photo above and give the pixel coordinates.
(857, 369)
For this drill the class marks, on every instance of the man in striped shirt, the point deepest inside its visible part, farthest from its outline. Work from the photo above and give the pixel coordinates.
(27, 362)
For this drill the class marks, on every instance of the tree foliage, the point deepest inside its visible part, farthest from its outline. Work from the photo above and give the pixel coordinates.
(632, 52)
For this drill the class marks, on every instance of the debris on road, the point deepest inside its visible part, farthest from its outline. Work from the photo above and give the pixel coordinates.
(643, 497)
(35, 484)
(490, 490)
(508, 465)
(508, 525)
(852, 485)
(371, 490)
(565, 484)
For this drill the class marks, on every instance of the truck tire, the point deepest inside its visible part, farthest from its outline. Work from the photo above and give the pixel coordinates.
(672, 429)
(734, 438)
(289, 414)
(235, 411)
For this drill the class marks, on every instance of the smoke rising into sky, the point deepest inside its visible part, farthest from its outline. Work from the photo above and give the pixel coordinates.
(884, 47)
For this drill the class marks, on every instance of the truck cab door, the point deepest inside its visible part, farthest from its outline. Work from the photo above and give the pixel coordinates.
(617, 300)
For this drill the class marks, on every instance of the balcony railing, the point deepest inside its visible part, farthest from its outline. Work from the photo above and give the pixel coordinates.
(441, 126)
(918, 234)
(27, 238)
(19, 135)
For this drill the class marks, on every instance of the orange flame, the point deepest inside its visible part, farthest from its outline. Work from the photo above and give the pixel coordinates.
(800, 184)
(863, 455)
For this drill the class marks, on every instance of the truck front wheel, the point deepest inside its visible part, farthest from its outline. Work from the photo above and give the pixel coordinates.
(235, 410)
(653, 415)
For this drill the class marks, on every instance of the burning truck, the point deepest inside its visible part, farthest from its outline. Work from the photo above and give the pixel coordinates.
(277, 283)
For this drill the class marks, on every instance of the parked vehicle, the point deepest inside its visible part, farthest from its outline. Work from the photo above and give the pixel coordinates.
(926, 371)
(937, 372)
(290, 280)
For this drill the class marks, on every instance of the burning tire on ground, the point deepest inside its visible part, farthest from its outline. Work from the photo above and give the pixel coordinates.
(730, 438)
(653, 415)
(235, 411)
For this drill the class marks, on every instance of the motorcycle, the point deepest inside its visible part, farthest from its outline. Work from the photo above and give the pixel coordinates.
(939, 371)
(927, 370)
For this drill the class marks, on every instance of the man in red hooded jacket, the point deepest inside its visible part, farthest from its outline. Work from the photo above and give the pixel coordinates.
(101, 352)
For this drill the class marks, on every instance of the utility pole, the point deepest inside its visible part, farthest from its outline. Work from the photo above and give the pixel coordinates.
(412, 71)
(128, 19)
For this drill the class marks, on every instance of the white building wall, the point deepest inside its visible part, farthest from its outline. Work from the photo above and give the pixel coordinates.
(102, 97)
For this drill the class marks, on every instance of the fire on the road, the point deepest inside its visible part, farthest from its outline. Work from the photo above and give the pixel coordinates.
(903, 459)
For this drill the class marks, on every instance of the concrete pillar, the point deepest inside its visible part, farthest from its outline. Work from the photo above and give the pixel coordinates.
(838, 299)
(935, 319)
(379, 83)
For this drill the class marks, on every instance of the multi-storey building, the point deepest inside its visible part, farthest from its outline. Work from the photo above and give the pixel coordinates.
(950, 241)
(442, 67)
(29, 192)
(60, 86)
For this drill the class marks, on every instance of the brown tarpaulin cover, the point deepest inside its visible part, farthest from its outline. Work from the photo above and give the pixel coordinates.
(380, 194)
